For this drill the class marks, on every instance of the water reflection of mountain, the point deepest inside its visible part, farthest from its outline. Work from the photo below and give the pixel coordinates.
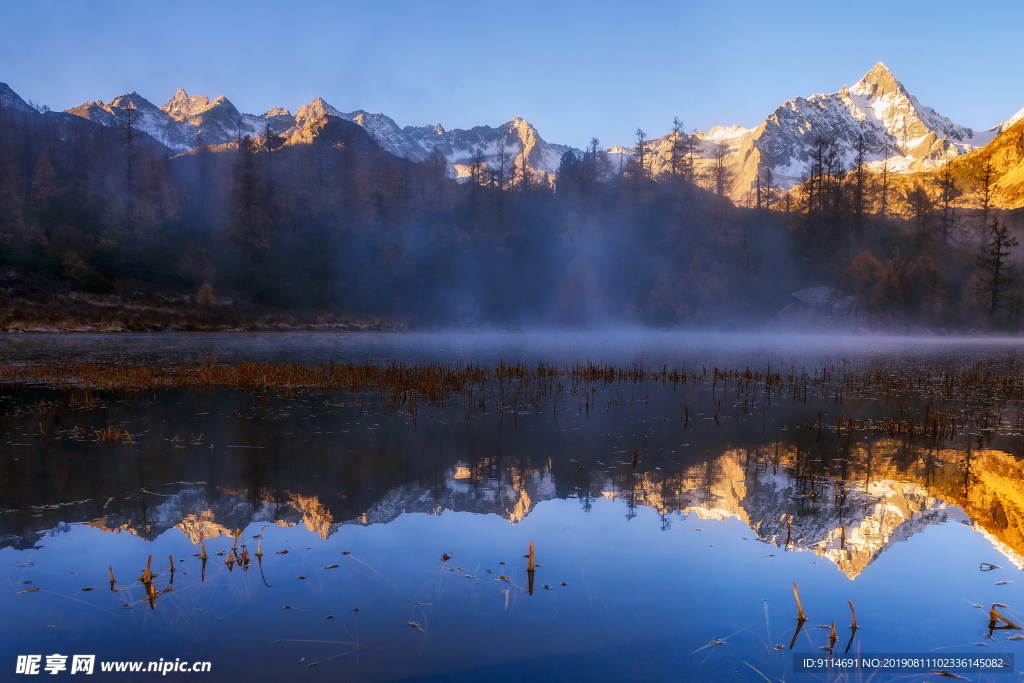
(851, 526)
(847, 507)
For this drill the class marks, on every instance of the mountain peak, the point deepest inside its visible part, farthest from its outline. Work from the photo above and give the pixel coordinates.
(877, 82)
(314, 111)
(132, 100)
(878, 71)
(183, 105)
(521, 127)
(11, 99)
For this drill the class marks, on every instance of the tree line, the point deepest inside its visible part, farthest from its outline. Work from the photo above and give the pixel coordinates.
(329, 222)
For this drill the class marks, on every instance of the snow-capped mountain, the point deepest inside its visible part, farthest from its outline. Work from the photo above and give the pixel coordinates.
(877, 109)
(182, 124)
(382, 129)
(187, 121)
(460, 147)
(514, 139)
(893, 124)
(895, 127)
(213, 122)
(149, 119)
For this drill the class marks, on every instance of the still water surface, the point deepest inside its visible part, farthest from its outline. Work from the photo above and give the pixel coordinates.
(667, 546)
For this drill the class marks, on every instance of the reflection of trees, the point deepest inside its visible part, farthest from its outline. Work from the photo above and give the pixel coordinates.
(844, 498)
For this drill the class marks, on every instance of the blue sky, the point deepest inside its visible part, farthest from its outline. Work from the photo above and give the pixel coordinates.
(574, 69)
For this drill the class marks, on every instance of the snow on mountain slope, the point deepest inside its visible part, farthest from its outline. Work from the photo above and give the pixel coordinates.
(12, 102)
(388, 135)
(1008, 123)
(726, 134)
(279, 120)
(460, 147)
(182, 105)
(314, 111)
(877, 109)
(513, 139)
(381, 128)
(883, 100)
(213, 122)
(894, 126)
(148, 118)
(1005, 156)
(184, 123)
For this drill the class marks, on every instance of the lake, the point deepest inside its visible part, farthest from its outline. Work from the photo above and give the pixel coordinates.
(352, 534)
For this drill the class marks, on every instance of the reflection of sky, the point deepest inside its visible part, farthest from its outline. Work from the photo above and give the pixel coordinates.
(636, 594)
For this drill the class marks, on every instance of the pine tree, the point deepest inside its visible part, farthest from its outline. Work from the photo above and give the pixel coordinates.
(948, 192)
(720, 176)
(641, 153)
(860, 173)
(676, 148)
(995, 268)
(250, 218)
(984, 177)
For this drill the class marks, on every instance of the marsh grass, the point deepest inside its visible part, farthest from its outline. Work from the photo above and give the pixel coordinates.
(930, 401)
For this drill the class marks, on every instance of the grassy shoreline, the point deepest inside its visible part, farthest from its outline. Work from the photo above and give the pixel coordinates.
(84, 313)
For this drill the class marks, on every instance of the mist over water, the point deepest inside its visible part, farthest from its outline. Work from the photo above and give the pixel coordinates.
(621, 345)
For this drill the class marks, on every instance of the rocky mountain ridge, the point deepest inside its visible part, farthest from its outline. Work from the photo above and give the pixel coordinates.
(876, 114)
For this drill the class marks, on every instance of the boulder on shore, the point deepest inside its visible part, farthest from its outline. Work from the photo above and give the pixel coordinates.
(822, 307)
